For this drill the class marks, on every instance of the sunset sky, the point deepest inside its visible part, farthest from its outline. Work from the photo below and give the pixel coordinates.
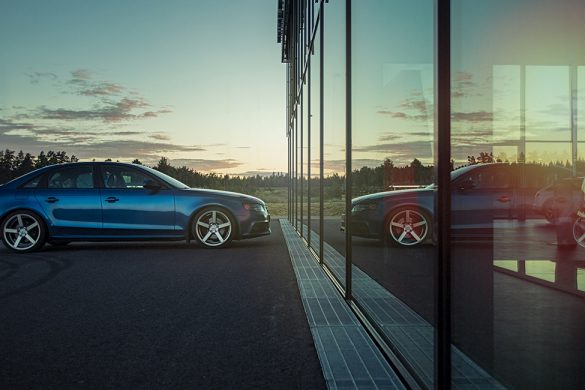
(199, 82)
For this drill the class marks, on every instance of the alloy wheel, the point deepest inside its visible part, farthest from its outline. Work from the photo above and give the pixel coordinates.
(408, 227)
(579, 231)
(212, 228)
(23, 232)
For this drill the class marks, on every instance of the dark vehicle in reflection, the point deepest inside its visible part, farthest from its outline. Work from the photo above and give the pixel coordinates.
(479, 194)
(569, 188)
(117, 201)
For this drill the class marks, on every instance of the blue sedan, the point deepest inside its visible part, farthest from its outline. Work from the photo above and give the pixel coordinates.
(480, 194)
(116, 201)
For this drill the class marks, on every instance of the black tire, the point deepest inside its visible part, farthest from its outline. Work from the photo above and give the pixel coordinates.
(23, 231)
(213, 227)
(407, 226)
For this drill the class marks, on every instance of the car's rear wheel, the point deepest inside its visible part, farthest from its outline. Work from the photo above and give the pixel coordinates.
(23, 231)
(212, 227)
(579, 231)
(407, 226)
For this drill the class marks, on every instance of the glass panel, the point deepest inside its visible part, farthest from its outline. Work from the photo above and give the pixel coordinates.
(298, 169)
(305, 159)
(315, 142)
(516, 268)
(392, 215)
(334, 136)
(119, 177)
(74, 177)
(580, 103)
(548, 103)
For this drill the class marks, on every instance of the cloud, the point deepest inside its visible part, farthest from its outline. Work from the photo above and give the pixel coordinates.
(87, 143)
(111, 102)
(464, 86)
(393, 114)
(37, 77)
(102, 89)
(126, 149)
(7, 125)
(413, 108)
(477, 116)
(111, 111)
(83, 84)
(87, 130)
(421, 133)
(160, 137)
(390, 147)
(80, 76)
(389, 137)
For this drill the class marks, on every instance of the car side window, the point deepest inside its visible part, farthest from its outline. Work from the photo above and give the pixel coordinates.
(71, 177)
(490, 179)
(33, 183)
(124, 177)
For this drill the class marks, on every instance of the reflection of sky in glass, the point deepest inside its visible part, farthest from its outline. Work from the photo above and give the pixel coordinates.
(581, 279)
(498, 48)
(548, 103)
(315, 107)
(506, 105)
(547, 152)
(581, 103)
(511, 265)
(392, 90)
(334, 88)
(541, 269)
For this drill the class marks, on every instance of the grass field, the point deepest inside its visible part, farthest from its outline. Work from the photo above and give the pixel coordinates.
(276, 199)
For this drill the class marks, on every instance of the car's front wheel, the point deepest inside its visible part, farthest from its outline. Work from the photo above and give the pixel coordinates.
(212, 227)
(407, 226)
(23, 231)
(548, 211)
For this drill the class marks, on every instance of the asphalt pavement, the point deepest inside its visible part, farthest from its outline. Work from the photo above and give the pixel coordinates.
(155, 315)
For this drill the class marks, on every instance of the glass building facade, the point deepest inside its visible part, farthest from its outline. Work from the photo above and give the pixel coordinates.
(436, 158)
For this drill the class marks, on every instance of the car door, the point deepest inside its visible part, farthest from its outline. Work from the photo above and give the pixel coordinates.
(481, 196)
(129, 209)
(70, 201)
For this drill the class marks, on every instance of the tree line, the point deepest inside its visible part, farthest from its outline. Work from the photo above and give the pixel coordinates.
(13, 165)
(365, 180)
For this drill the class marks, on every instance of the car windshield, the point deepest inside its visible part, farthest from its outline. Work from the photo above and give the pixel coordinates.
(167, 179)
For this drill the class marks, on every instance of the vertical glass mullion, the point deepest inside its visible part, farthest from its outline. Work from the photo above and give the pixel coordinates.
(443, 197)
(309, 24)
(321, 127)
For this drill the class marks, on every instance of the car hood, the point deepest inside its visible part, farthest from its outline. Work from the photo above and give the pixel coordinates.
(228, 194)
(403, 193)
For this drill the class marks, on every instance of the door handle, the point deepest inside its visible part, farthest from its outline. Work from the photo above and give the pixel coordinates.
(112, 199)
(52, 199)
(504, 199)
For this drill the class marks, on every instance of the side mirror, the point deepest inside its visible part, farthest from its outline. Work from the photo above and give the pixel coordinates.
(152, 185)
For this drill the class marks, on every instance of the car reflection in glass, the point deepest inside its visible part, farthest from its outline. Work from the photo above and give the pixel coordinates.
(544, 199)
(116, 201)
(479, 194)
